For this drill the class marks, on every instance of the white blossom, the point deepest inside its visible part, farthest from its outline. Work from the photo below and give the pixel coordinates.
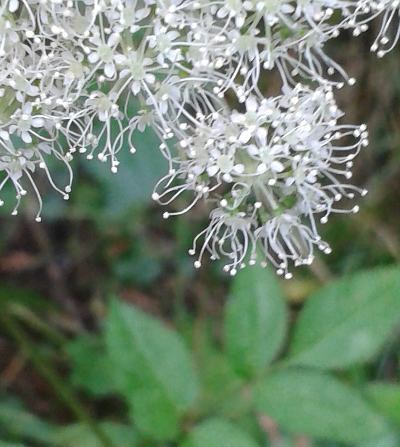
(79, 77)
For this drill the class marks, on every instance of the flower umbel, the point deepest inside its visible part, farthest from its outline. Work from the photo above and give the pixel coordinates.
(79, 77)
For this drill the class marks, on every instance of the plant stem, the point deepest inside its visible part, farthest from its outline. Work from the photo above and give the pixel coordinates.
(32, 320)
(64, 393)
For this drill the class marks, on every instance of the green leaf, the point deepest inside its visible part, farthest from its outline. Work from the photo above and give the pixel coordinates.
(255, 323)
(318, 405)
(138, 266)
(149, 352)
(154, 414)
(12, 295)
(137, 175)
(90, 367)
(218, 379)
(220, 383)
(347, 321)
(21, 424)
(389, 440)
(146, 356)
(386, 397)
(10, 444)
(218, 433)
(80, 435)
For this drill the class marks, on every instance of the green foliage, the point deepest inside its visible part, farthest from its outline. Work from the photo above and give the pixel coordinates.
(386, 397)
(389, 440)
(154, 369)
(91, 369)
(347, 321)
(316, 404)
(219, 380)
(230, 387)
(136, 177)
(150, 353)
(11, 444)
(17, 423)
(255, 322)
(137, 266)
(217, 433)
(153, 413)
(11, 295)
(79, 435)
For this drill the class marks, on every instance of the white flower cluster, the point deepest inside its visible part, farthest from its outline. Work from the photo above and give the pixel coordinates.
(80, 76)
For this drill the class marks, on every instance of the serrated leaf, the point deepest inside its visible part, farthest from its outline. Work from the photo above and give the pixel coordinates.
(255, 322)
(90, 366)
(346, 322)
(386, 397)
(318, 405)
(80, 435)
(218, 433)
(147, 356)
(150, 353)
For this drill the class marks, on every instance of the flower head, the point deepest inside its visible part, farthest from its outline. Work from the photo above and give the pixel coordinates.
(79, 77)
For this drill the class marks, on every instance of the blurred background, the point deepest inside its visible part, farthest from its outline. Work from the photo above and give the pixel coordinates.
(109, 239)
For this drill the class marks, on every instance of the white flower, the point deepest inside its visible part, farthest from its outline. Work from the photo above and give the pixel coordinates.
(24, 122)
(228, 236)
(281, 173)
(105, 53)
(138, 71)
(389, 33)
(80, 77)
(163, 42)
(131, 15)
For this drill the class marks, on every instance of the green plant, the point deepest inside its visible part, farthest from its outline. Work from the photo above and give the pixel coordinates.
(275, 377)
